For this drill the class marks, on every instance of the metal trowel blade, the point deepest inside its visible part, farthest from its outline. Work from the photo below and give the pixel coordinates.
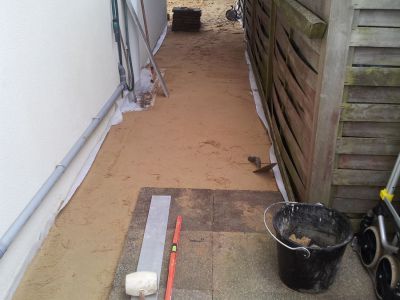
(265, 168)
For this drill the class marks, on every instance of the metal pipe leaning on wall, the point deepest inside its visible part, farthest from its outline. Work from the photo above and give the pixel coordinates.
(148, 49)
(38, 198)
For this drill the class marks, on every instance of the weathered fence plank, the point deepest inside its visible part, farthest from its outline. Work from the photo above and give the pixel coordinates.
(374, 4)
(320, 8)
(379, 18)
(302, 19)
(291, 169)
(360, 177)
(375, 37)
(304, 106)
(300, 128)
(370, 112)
(305, 49)
(372, 76)
(368, 146)
(263, 15)
(354, 205)
(371, 129)
(366, 162)
(372, 94)
(328, 100)
(296, 73)
(376, 56)
(267, 5)
(360, 192)
(294, 149)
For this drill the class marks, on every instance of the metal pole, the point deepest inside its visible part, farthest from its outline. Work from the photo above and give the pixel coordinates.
(145, 21)
(390, 187)
(146, 31)
(382, 233)
(149, 52)
(394, 177)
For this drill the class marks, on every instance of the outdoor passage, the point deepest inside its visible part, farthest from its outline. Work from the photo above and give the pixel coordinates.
(248, 149)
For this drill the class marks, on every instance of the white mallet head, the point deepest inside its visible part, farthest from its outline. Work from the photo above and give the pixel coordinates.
(138, 283)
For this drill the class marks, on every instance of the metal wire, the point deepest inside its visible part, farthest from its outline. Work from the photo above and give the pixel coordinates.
(307, 252)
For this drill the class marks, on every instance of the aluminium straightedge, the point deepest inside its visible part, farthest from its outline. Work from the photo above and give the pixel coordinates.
(152, 252)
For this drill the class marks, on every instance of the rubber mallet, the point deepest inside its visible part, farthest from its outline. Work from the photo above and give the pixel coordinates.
(141, 284)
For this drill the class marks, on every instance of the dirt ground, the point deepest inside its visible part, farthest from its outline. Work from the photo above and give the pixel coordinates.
(199, 137)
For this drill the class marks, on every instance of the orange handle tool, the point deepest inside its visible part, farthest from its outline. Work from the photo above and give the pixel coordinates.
(172, 259)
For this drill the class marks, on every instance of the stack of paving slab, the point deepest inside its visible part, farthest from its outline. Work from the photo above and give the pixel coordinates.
(186, 19)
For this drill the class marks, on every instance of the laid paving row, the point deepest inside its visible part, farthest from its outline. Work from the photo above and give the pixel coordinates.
(224, 252)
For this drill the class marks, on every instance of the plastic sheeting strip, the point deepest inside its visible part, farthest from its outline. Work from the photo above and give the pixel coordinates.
(123, 105)
(261, 115)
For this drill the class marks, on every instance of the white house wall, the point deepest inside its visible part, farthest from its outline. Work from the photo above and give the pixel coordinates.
(58, 66)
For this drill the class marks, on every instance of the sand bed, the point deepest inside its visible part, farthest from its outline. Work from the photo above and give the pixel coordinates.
(200, 137)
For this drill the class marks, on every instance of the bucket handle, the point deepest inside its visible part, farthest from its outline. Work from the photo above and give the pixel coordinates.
(307, 253)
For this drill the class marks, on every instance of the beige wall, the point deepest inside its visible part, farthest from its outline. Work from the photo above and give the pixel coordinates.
(58, 66)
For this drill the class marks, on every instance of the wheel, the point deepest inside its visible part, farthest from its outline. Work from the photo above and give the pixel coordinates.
(370, 246)
(386, 276)
(231, 15)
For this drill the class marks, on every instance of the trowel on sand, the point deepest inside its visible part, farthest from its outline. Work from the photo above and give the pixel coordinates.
(257, 161)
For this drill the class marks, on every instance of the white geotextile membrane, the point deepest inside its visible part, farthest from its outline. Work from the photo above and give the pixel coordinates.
(122, 105)
(261, 115)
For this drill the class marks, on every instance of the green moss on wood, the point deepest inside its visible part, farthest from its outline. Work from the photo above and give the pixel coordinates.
(302, 19)
(370, 112)
(372, 76)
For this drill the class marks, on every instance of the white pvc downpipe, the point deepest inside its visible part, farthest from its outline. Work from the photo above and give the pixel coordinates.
(37, 199)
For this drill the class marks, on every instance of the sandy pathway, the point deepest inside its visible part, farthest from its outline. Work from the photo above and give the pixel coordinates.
(198, 138)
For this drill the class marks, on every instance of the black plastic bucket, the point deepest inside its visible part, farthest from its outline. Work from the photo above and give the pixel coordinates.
(310, 268)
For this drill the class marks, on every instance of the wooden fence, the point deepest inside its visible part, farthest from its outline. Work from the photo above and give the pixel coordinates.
(329, 75)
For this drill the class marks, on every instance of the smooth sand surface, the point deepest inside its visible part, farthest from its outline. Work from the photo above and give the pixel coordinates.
(199, 137)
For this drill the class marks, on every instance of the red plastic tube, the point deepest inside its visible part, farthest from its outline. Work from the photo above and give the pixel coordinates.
(172, 259)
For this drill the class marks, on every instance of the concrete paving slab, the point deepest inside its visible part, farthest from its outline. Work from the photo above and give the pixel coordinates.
(180, 294)
(245, 267)
(236, 261)
(195, 206)
(242, 262)
(167, 249)
(194, 261)
(241, 211)
(192, 204)
(352, 280)
(127, 264)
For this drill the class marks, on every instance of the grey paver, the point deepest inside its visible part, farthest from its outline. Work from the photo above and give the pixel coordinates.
(225, 252)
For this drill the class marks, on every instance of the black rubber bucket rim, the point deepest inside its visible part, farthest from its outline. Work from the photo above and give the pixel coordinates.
(308, 249)
(341, 215)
